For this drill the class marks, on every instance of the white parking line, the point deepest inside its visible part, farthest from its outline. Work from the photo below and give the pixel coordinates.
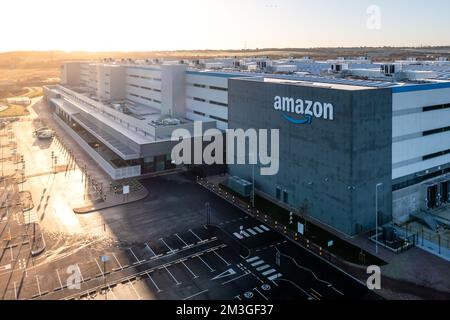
(113, 294)
(150, 249)
(212, 270)
(15, 291)
(256, 289)
(59, 278)
(200, 239)
(39, 287)
(154, 283)
(81, 275)
(184, 242)
(226, 262)
(11, 251)
(337, 291)
(174, 279)
(170, 249)
(196, 294)
(137, 260)
(193, 274)
(101, 271)
(121, 268)
(134, 289)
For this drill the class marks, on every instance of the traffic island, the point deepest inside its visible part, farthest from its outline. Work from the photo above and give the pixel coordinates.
(113, 200)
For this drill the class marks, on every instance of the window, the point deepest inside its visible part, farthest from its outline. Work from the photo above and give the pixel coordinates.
(285, 196)
(436, 155)
(278, 193)
(218, 119)
(199, 113)
(218, 88)
(219, 103)
(440, 130)
(199, 99)
(437, 107)
(199, 85)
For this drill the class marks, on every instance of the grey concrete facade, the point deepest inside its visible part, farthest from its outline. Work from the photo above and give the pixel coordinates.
(329, 169)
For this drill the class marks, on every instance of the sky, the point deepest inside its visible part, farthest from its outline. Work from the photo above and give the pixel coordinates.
(147, 25)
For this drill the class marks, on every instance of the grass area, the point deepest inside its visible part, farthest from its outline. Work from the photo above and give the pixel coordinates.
(340, 248)
(14, 111)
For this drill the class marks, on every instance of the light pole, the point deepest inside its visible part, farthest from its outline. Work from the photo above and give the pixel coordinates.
(376, 215)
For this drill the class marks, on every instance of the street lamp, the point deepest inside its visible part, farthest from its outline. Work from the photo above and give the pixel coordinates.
(376, 215)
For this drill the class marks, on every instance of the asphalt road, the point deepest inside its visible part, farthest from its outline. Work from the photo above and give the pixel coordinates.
(169, 253)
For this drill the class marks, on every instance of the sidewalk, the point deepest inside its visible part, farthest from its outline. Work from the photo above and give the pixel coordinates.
(113, 200)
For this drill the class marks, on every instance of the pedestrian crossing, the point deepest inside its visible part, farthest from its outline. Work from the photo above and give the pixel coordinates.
(263, 268)
(251, 232)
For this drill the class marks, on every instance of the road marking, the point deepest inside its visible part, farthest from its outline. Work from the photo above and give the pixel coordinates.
(200, 239)
(266, 273)
(11, 251)
(193, 274)
(135, 291)
(276, 276)
(154, 283)
(112, 291)
(15, 290)
(337, 291)
(170, 249)
(234, 279)
(227, 273)
(81, 275)
(264, 227)
(212, 270)
(315, 296)
(121, 268)
(252, 232)
(256, 289)
(186, 245)
(252, 259)
(150, 249)
(174, 279)
(39, 287)
(59, 278)
(196, 294)
(226, 262)
(317, 293)
(137, 260)
(245, 234)
(237, 235)
(101, 271)
(264, 267)
(257, 263)
(258, 229)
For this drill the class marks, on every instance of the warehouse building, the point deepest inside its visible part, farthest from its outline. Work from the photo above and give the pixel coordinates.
(350, 129)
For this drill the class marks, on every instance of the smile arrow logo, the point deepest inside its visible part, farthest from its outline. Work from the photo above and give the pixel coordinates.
(307, 120)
